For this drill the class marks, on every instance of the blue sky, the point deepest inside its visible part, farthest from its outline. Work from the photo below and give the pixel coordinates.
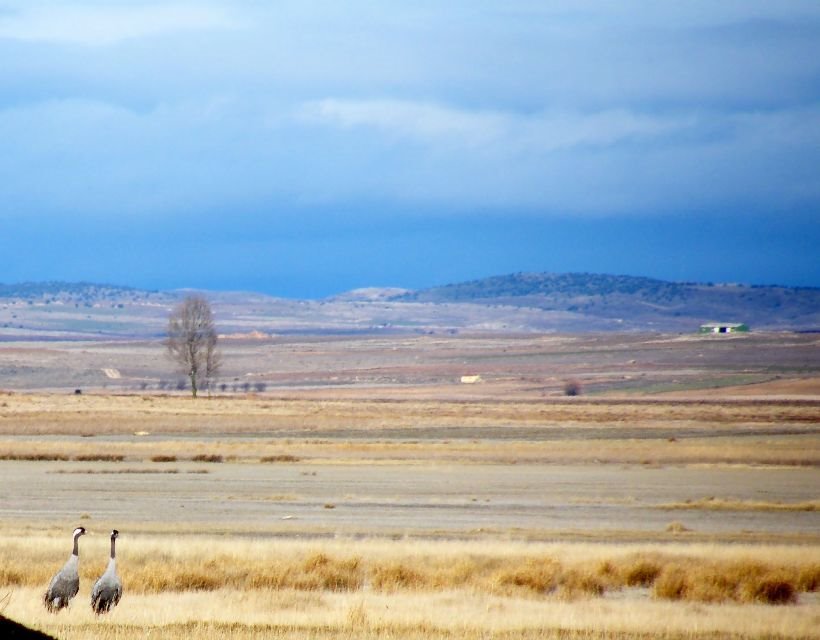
(307, 148)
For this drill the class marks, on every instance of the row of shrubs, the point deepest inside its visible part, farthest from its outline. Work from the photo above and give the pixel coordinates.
(106, 457)
(60, 457)
(664, 576)
(218, 458)
(667, 577)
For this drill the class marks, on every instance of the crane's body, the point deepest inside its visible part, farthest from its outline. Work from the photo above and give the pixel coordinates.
(66, 582)
(107, 591)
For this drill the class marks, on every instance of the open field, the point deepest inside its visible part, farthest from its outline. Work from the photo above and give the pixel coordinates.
(366, 493)
(381, 589)
(526, 366)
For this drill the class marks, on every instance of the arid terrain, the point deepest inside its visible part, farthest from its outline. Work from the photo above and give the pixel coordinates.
(544, 303)
(421, 486)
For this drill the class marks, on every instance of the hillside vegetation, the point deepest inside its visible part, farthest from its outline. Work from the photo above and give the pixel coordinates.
(521, 302)
(58, 290)
(637, 300)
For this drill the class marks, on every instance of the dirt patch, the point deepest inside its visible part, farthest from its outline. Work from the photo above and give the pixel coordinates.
(803, 387)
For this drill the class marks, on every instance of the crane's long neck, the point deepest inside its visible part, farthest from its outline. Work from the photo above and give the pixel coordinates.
(113, 552)
(76, 551)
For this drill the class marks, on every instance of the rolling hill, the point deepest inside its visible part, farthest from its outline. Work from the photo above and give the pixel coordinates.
(638, 301)
(521, 302)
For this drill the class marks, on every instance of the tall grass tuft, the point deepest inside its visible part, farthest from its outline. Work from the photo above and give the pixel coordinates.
(581, 582)
(331, 574)
(357, 616)
(211, 565)
(397, 576)
(740, 581)
(808, 578)
(534, 576)
(203, 457)
(770, 589)
(99, 457)
(640, 570)
(35, 457)
(282, 457)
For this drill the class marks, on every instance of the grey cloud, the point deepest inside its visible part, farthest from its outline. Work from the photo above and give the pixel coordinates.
(101, 24)
(560, 106)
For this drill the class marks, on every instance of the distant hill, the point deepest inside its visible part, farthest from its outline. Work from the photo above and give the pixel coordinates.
(563, 285)
(520, 302)
(637, 301)
(72, 310)
(57, 290)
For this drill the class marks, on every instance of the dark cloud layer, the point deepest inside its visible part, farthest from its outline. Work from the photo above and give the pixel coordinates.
(303, 149)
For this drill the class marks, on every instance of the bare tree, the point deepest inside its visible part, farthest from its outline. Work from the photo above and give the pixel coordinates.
(192, 341)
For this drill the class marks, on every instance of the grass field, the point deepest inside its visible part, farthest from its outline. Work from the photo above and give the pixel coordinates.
(387, 588)
(426, 510)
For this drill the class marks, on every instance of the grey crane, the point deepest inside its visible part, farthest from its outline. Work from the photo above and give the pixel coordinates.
(107, 590)
(66, 582)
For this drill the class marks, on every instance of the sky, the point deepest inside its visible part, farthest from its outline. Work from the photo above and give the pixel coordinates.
(306, 148)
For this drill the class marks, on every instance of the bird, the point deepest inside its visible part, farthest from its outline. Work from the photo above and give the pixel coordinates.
(66, 582)
(106, 592)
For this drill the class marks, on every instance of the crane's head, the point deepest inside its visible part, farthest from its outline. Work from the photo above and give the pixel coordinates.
(114, 534)
(79, 531)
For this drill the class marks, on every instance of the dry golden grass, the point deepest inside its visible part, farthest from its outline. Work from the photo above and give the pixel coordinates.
(99, 457)
(163, 458)
(503, 584)
(123, 471)
(178, 584)
(282, 457)
(205, 457)
(739, 582)
(130, 413)
(649, 431)
(791, 450)
(41, 457)
(152, 564)
(445, 614)
(727, 504)
(352, 626)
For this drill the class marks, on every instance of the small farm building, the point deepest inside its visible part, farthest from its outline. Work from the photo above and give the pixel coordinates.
(723, 327)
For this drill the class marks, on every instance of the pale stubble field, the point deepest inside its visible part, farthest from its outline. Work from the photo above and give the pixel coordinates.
(418, 509)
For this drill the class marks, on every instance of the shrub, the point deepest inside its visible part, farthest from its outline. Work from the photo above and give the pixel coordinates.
(572, 388)
(677, 527)
(740, 581)
(580, 582)
(770, 590)
(12, 577)
(323, 572)
(395, 576)
(196, 581)
(641, 573)
(99, 457)
(671, 583)
(202, 457)
(537, 576)
(808, 579)
(35, 457)
(283, 457)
